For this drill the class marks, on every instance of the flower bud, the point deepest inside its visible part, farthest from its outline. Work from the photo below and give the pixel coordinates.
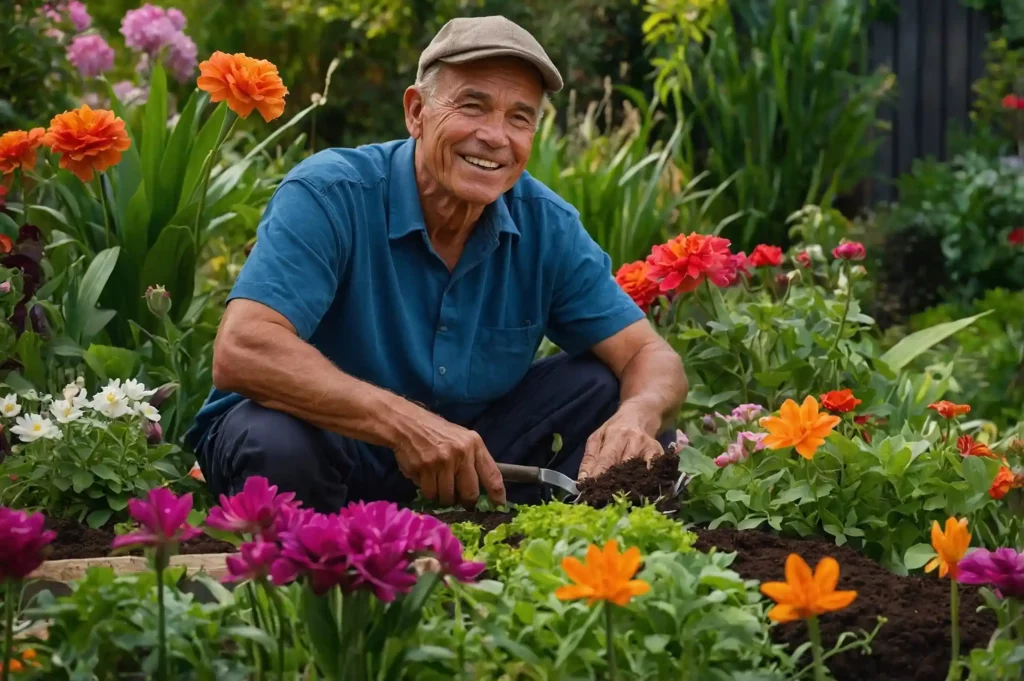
(162, 393)
(849, 250)
(39, 322)
(709, 423)
(5, 287)
(158, 300)
(153, 432)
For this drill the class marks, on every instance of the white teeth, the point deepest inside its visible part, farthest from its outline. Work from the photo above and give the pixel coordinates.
(483, 163)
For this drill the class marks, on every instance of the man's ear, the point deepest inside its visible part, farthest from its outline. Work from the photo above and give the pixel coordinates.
(414, 104)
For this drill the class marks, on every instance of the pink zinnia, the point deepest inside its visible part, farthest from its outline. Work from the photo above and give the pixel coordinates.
(253, 562)
(91, 55)
(162, 516)
(24, 542)
(79, 15)
(253, 510)
(849, 250)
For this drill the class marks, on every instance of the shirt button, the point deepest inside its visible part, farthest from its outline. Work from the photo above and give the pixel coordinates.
(442, 328)
(441, 370)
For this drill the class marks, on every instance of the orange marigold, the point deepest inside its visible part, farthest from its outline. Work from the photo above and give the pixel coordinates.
(968, 446)
(948, 410)
(801, 427)
(87, 140)
(634, 280)
(683, 263)
(1002, 483)
(245, 83)
(18, 149)
(839, 401)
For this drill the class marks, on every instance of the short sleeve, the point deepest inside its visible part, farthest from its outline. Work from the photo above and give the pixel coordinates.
(295, 266)
(588, 306)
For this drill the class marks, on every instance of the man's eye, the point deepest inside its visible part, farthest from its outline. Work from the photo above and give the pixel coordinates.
(472, 106)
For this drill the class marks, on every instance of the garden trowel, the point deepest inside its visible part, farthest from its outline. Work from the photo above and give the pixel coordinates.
(539, 476)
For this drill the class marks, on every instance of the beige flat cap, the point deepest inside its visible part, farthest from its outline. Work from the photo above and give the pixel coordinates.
(470, 38)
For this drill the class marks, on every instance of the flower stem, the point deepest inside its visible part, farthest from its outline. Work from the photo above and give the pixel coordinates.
(842, 323)
(103, 205)
(161, 623)
(954, 626)
(8, 628)
(815, 635)
(282, 626)
(226, 129)
(610, 641)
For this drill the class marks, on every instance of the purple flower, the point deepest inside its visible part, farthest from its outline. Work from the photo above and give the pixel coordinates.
(181, 57)
(176, 17)
(91, 55)
(162, 516)
(315, 547)
(79, 16)
(1002, 568)
(148, 28)
(746, 412)
(738, 451)
(23, 540)
(436, 537)
(153, 432)
(378, 540)
(253, 510)
(252, 562)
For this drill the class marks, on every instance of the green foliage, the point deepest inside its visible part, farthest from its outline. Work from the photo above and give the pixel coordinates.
(1010, 13)
(778, 101)
(1003, 68)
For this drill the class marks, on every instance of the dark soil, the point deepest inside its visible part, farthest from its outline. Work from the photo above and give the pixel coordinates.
(913, 645)
(488, 520)
(75, 540)
(638, 482)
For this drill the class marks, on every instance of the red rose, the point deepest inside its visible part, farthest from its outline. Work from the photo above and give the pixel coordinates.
(766, 256)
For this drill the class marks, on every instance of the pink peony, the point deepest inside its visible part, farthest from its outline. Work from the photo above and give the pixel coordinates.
(162, 516)
(148, 28)
(253, 562)
(252, 511)
(91, 55)
(79, 15)
(316, 548)
(24, 542)
(849, 250)
(181, 57)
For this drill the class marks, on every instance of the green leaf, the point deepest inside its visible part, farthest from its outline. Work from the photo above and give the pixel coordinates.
(977, 475)
(171, 177)
(322, 631)
(63, 484)
(102, 470)
(912, 346)
(693, 462)
(8, 226)
(99, 518)
(93, 282)
(154, 129)
(30, 353)
(918, 555)
(656, 643)
(171, 262)
(81, 480)
(111, 362)
(129, 170)
(200, 150)
(135, 226)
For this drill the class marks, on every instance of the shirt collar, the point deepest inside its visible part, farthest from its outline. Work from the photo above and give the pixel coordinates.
(405, 215)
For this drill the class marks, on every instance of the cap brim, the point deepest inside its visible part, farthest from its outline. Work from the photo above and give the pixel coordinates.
(552, 78)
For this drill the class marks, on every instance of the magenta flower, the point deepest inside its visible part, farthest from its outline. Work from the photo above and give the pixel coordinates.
(79, 15)
(436, 537)
(1002, 568)
(253, 510)
(316, 548)
(379, 540)
(849, 250)
(24, 541)
(91, 55)
(253, 562)
(162, 516)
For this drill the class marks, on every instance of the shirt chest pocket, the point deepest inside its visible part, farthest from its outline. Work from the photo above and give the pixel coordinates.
(499, 359)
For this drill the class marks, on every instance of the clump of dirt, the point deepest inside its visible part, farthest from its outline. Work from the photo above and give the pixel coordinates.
(640, 483)
(75, 540)
(914, 645)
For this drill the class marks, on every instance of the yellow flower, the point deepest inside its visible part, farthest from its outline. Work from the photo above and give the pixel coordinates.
(951, 546)
(801, 427)
(804, 595)
(605, 576)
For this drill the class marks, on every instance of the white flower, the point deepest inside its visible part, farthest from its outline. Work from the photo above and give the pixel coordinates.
(81, 400)
(111, 402)
(9, 406)
(71, 391)
(134, 390)
(31, 427)
(148, 410)
(65, 411)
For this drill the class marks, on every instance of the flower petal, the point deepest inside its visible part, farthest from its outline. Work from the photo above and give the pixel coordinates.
(573, 592)
(837, 600)
(784, 613)
(780, 592)
(798, 573)
(826, 575)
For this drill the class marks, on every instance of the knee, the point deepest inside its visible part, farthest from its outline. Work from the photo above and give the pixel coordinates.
(274, 445)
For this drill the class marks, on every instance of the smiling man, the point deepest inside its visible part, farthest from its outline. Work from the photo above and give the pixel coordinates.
(381, 336)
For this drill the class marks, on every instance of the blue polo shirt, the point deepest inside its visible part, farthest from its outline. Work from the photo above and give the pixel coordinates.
(342, 252)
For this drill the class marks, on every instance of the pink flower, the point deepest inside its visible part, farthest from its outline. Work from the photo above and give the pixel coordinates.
(738, 451)
(181, 56)
(5, 287)
(24, 542)
(849, 250)
(254, 510)
(436, 537)
(738, 264)
(253, 562)
(129, 93)
(91, 55)
(316, 548)
(162, 516)
(378, 538)
(79, 16)
(176, 17)
(1002, 568)
(746, 412)
(148, 28)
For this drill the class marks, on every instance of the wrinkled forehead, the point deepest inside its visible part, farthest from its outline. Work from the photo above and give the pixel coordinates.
(497, 78)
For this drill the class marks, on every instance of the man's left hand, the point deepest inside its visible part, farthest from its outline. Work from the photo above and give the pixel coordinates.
(622, 437)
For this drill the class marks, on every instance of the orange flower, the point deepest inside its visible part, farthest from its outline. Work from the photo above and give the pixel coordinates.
(245, 83)
(683, 263)
(951, 547)
(6, 245)
(968, 447)
(1002, 483)
(839, 401)
(948, 410)
(798, 426)
(605, 576)
(804, 595)
(18, 149)
(634, 280)
(88, 140)
(196, 473)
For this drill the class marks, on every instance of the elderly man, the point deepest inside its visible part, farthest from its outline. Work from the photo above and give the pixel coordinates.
(381, 336)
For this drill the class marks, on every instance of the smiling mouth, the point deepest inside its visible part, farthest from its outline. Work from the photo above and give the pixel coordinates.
(481, 163)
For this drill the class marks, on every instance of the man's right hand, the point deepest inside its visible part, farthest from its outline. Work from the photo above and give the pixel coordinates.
(447, 462)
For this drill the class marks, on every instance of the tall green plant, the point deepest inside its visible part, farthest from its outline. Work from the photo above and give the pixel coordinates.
(774, 94)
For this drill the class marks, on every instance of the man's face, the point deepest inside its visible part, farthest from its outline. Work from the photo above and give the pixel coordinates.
(476, 132)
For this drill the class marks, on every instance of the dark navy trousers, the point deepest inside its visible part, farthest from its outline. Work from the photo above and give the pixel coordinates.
(570, 396)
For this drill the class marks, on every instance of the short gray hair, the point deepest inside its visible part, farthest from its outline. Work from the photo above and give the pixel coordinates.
(427, 86)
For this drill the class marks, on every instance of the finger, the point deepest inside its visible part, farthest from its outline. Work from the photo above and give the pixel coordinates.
(633, 448)
(611, 453)
(590, 453)
(489, 475)
(446, 485)
(653, 452)
(467, 483)
(428, 484)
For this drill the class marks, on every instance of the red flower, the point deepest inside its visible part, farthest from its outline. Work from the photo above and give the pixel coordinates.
(6, 245)
(948, 410)
(1017, 236)
(686, 261)
(766, 256)
(839, 401)
(1012, 101)
(739, 264)
(849, 250)
(968, 447)
(804, 259)
(1002, 483)
(634, 280)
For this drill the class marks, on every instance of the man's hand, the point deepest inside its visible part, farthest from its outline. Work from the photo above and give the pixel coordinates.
(448, 462)
(623, 436)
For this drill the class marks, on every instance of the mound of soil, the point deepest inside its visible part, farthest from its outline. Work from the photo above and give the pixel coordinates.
(75, 540)
(914, 644)
(640, 483)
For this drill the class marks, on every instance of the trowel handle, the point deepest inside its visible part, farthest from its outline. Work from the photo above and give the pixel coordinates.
(511, 472)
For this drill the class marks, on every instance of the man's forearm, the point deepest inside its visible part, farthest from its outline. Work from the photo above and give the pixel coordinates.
(653, 387)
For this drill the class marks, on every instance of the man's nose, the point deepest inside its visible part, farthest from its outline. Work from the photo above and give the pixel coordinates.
(492, 131)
